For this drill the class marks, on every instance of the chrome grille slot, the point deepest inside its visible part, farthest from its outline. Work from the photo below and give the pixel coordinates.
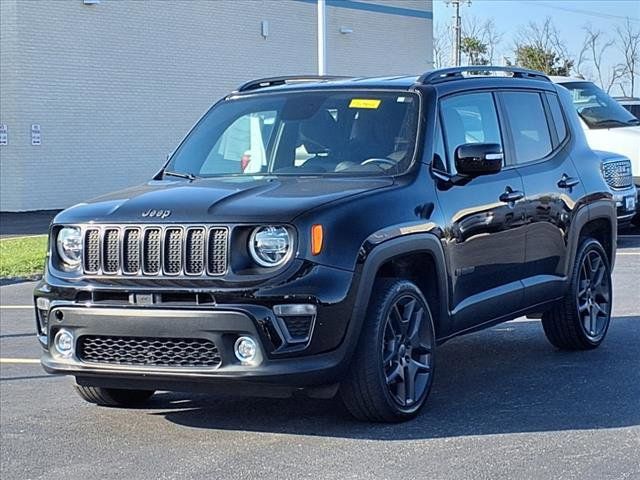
(131, 251)
(155, 250)
(617, 174)
(173, 251)
(92, 251)
(194, 251)
(152, 250)
(111, 251)
(217, 253)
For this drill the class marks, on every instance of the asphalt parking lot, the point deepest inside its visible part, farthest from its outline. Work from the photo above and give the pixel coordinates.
(505, 404)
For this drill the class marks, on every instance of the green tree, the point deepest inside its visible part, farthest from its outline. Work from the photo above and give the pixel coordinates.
(547, 61)
(474, 49)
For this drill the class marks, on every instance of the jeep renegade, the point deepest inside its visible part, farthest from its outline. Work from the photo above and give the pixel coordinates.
(322, 235)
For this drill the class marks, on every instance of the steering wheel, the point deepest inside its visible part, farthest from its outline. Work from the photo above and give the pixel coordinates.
(386, 161)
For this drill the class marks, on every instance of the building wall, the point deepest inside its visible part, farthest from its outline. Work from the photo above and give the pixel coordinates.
(115, 86)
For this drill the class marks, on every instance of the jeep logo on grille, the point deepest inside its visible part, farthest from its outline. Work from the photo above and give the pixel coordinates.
(156, 213)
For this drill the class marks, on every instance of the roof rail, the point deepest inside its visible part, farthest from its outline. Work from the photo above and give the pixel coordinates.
(283, 80)
(455, 73)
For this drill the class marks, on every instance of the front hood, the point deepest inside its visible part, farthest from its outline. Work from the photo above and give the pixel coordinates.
(219, 200)
(623, 141)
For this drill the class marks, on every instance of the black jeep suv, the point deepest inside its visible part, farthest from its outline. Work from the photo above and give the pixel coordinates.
(322, 235)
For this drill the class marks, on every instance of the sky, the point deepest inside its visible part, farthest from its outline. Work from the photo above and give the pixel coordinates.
(569, 16)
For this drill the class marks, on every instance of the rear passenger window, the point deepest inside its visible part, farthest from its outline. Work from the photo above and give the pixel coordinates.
(558, 118)
(469, 118)
(527, 123)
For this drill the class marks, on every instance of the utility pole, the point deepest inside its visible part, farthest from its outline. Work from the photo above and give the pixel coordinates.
(457, 32)
(322, 38)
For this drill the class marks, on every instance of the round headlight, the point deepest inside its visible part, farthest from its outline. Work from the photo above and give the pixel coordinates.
(69, 244)
(270, 246)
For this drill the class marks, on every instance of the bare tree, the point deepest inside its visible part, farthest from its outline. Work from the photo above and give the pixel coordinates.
(441, 45)
(629, 38)
(491, 38)
(484, 34)
(597, 45)
(544, 37)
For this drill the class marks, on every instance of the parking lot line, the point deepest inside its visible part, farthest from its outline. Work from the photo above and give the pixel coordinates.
(20, 360)
(15, 307)
(628, 253)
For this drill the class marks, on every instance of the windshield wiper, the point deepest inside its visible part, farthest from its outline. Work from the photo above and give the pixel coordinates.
(188, 176)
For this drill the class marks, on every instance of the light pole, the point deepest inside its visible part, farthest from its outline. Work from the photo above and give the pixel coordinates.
(322, 38)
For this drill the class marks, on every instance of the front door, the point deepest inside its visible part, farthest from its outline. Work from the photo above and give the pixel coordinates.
(484, 238)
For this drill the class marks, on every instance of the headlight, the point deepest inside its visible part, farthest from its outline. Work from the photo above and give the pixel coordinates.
(270, 246)
(69, 243)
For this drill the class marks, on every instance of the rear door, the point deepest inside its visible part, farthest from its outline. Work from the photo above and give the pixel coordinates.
(539, 141)
(484, 236)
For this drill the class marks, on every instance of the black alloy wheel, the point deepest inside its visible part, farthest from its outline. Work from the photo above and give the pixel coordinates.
(594, 295)
(407, 354)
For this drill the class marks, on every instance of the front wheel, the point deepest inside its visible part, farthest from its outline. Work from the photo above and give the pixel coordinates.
(392, 370)
(581, 320)
(113, 397)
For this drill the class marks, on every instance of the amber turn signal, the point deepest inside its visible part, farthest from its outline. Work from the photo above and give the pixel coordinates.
(317, 235)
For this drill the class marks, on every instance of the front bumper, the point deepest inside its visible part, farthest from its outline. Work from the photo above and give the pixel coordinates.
(623, 199)
(220, 326)
(281, 366)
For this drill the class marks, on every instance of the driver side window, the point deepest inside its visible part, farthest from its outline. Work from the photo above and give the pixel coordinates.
(468, 118)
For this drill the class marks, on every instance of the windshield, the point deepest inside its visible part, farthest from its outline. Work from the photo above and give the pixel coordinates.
(303, 133)
(598, 109)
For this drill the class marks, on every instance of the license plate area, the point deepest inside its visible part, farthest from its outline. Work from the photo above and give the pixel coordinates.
(630, 204)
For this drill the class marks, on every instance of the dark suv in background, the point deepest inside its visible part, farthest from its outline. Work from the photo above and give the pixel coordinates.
(322, 235)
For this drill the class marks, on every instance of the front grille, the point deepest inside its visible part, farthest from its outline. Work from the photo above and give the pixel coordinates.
(617, 174)
(154, 250)
(148, 351)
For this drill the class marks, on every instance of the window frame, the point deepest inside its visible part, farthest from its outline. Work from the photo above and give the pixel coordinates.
(450, 162)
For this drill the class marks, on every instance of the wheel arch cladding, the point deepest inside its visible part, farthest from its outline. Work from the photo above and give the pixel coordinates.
(405, 258)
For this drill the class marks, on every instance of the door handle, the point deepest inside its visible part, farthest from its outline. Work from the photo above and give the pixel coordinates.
(510, 196)
(567, 181)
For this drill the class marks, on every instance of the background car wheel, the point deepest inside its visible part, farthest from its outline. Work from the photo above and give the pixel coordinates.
(114, 397)
(392, 370)
(581, 320)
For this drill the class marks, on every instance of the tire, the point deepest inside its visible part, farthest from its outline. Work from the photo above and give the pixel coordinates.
(397, 342)
(581, 320)
(114, 397)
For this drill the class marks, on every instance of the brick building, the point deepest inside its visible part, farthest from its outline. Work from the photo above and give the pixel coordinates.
(95, 93)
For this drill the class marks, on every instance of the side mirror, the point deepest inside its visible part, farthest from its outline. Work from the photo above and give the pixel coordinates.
(475, 159)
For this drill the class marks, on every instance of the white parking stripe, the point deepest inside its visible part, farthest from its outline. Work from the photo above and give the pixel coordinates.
(20, 360)
(628, 253)
(15, 307)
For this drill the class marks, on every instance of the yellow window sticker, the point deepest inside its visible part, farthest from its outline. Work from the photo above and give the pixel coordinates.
(364, 103)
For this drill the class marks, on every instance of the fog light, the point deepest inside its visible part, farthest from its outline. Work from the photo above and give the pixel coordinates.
(245, 349)
(63, 343)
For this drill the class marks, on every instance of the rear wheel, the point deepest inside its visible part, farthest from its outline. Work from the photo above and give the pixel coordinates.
(113, 397)
(581, 320)
(392, 370)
